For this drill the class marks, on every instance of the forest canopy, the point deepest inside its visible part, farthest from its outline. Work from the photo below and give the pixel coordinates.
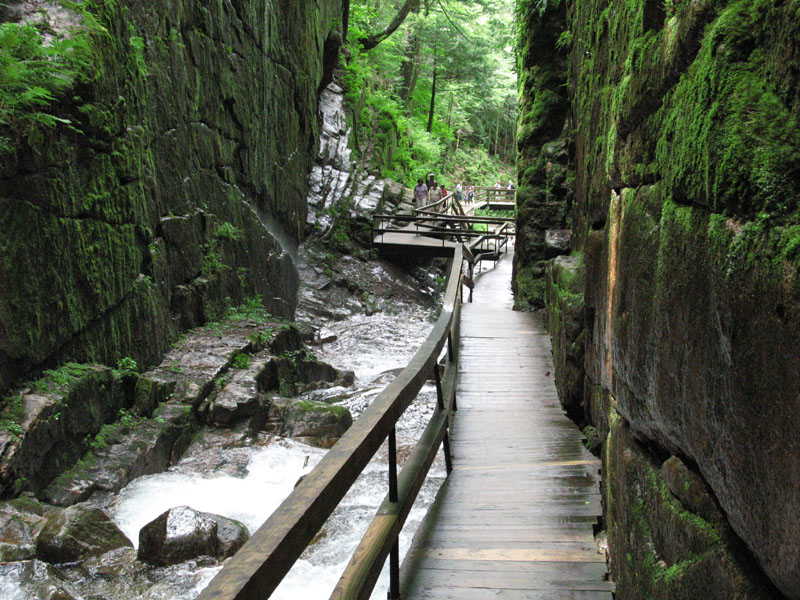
(432, 87)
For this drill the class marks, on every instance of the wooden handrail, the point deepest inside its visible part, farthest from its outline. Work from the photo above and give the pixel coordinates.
(442, 232)
(261, 564)
(441, 217)
(361, 573)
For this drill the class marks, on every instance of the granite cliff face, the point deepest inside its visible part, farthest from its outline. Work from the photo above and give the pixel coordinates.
(676, 321)
(179, 187)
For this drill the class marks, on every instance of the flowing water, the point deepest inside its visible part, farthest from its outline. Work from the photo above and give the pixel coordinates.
(256, 479)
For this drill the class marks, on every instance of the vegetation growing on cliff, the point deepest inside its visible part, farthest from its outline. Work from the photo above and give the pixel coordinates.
(37, 66)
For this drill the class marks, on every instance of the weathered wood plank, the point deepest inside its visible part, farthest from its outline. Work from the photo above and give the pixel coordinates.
(515, 517)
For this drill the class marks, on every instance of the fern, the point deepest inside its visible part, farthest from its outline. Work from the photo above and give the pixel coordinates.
(34, 74)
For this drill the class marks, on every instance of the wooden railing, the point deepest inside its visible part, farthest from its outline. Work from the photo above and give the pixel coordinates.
(489, 196)
(257, 569)
(445, 226)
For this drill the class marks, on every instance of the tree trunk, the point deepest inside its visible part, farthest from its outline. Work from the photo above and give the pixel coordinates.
(373, 40)
(450, 110)
(410, 65)
(433, 95)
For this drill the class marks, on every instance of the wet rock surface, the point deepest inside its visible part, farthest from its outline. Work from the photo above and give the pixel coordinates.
(183, 140)
(565, 322)
(37, 579)
(670, 546)
(126, 452)
(21, 520)
(54, 422)
(77, 533)
(316, 423)
(182, 533)
(557, 242)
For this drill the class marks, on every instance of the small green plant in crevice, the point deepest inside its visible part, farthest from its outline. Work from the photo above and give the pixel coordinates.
(228, 231)
(212, 261)
(12, 415)
(260, 340)
(110, 432)
(127, 366)
(251, 309)
(221, 381)
(241, 361)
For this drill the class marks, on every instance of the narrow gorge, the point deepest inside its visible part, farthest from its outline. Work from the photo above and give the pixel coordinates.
(192, 300)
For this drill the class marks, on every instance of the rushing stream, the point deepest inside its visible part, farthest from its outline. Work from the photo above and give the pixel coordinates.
(254, 480)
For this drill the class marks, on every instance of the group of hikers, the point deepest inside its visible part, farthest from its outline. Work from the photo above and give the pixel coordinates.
(430, 190)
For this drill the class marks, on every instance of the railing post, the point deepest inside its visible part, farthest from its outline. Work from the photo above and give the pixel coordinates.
(440, 401)
(452, 352)
(394, 572)
(394, 554)
(392, 466)
(471, 276)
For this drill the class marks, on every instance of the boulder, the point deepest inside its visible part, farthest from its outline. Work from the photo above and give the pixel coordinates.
(320, 423)
(64, 409)
(36, 579)
(183, 533)
(77, 533)
(20, 521)
(231, 535)
(557, 242)
(394, 193)
(239, 399)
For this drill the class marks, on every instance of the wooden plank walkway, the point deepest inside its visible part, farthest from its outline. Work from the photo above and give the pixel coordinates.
(515, 517)
(414, 243)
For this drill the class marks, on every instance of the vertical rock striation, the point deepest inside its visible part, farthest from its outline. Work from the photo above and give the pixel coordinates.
(180, 183)
(686, 223)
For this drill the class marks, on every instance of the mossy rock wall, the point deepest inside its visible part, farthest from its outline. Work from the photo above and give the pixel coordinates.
(544, 193)
(667, 538)
(184, 186)
(686, 147)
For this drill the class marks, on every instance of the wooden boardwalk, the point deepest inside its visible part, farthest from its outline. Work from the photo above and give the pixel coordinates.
(414, 242)
(515, 517)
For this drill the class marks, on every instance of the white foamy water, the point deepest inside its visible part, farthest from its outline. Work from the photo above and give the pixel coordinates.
(271, 475)
(372, 346)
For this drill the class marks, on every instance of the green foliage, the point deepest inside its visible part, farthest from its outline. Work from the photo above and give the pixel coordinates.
(212, 261)
(57, 379)
(466, 42)
(228, 231)
(252, 309)
(127, 366)
(111, 432)
(34, 73)
(260, 340)
(12, 415)
(241, 361)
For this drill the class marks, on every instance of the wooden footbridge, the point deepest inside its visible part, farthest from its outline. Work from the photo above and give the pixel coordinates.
(515, 518)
